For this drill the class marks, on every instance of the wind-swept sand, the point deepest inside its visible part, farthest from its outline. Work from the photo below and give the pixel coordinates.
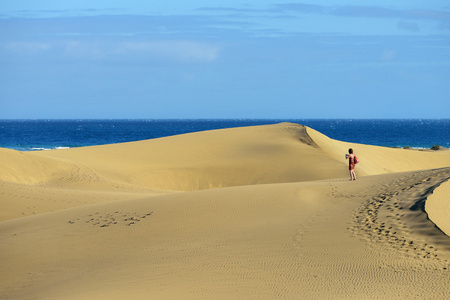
(263, 212)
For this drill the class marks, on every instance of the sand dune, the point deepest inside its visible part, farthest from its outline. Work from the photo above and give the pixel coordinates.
(203, 160)
(261, 212)
(437, 207)
(230, 157)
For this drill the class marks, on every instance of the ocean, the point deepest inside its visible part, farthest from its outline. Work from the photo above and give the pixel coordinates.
(32, 135)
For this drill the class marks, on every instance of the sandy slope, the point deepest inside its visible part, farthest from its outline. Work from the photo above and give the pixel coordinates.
(437, 207)
(211, 159)
(267, 213)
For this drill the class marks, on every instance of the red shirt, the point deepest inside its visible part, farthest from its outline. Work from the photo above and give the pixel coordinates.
(351, 161)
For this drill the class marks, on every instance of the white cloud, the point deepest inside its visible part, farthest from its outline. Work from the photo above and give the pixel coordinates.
(178, 51)
(114, 49)
(26, 47)
(85, 50)
(184, 51)
(388, 55)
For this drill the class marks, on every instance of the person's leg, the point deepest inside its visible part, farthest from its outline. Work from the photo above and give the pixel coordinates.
(353, 175)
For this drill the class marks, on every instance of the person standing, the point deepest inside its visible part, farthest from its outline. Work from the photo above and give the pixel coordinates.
(351, 163)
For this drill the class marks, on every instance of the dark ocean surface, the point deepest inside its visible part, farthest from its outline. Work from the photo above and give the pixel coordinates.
(29, 135)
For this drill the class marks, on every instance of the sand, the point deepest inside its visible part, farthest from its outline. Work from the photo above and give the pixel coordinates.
(264, 212)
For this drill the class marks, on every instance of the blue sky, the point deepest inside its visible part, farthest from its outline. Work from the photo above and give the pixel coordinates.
(224, 59)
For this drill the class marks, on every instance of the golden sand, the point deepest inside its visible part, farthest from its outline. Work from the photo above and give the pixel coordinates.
(264, 212)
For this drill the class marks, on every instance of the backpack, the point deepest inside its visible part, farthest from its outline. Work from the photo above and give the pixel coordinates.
(355, 160)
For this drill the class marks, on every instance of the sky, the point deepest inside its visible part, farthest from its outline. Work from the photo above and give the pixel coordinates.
(259, 59)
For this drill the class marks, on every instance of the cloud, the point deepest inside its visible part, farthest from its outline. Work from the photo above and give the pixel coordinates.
(112, 49)
(445, 25)
(181, 50)
(26, 47)
(86, 50)
(408, 26)
(280, 16)
(388, 55)
(229, 9)
(175, 39)
(304, 8)
(156, 26)
(44, 13)
(367, 11)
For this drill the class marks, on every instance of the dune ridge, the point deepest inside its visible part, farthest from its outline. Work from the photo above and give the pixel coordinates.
(263, 212)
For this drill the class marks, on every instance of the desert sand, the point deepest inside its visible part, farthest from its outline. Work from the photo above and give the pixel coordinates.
(264, 212)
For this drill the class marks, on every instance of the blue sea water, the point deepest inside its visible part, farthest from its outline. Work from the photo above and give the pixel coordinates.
(29, 135)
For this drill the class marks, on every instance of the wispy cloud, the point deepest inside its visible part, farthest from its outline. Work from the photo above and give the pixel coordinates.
(339, 18)
(388, 55)
(229, 9)
(49, 13)
(26, 47)
(304, 8)
(181, 50)
(408, 26)
(367, 11)
(178, 51)
(174, 27)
